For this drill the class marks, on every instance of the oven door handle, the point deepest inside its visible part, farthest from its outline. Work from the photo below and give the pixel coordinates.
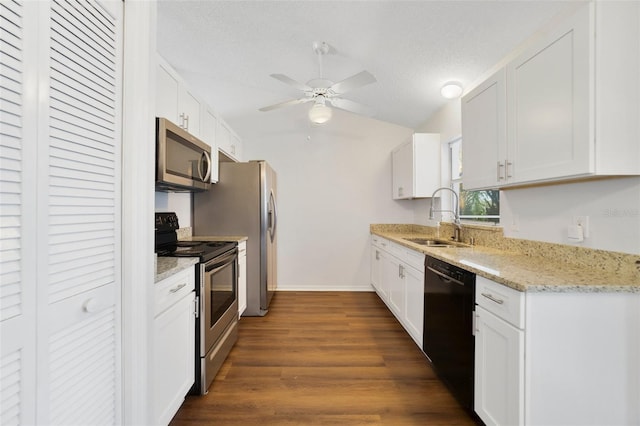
(220, 262)
(445, 278)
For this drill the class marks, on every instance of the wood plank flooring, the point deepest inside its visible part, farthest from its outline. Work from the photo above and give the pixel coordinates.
(324, 358)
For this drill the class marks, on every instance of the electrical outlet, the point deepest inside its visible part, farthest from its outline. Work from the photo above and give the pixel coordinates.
(583, 222)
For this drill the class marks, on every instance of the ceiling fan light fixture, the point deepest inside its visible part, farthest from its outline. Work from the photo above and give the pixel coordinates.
(451, 90)
(320, 113)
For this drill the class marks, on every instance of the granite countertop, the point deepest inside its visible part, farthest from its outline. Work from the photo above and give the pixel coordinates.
(168, 266)
(523, 272)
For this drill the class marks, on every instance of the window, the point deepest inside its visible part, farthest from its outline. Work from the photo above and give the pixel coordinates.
(478, 206)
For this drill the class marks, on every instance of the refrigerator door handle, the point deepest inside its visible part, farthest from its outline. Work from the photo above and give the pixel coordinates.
(274, 215)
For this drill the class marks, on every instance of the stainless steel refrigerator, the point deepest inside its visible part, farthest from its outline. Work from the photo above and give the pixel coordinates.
(243, 202)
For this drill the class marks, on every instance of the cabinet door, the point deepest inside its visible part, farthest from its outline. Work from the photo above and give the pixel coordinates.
(167, 94)
(484, 131)
(236, 146)
(18, 149)
(375, 268)
(414, 303)
(549, 97)
(402, 171)
(395, 272)
(79, 223)
(499, 370)
(388, 275)
(61, 275)
(242, 277)
(174, 356)
(189, 111)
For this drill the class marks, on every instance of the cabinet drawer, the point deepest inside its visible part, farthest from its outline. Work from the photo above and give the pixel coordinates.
(172, 289)
(500, 300)
(395, 249)
(414, 259)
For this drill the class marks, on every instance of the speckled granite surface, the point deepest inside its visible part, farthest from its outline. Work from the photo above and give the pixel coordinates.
(168, 266)
(527, 265)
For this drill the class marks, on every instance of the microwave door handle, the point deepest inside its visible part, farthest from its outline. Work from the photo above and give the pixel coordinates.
(206, 157)
(207, 175)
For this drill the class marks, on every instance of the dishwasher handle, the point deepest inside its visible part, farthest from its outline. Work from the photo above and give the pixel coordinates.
(445, 277)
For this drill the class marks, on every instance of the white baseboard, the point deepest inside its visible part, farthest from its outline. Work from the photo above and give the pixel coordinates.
(326, 287)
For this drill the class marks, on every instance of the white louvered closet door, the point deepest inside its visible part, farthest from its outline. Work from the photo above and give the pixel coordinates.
(69, 272)
(17, 216)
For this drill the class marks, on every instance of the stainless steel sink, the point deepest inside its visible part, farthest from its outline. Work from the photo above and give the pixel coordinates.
(430, 242)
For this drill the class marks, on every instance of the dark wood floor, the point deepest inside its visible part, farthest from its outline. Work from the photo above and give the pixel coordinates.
(328, 358)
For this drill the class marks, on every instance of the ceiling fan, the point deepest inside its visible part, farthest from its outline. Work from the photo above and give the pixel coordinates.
(321, 91)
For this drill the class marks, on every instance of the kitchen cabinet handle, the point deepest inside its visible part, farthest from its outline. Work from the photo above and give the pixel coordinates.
(177, 288)
(186, 121)
(400, 271)
(182, 120)
(377, 255)
(499, 170)
(492, 298)
(506, 169)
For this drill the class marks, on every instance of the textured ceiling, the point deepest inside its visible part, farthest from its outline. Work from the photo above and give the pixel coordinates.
(227, 49)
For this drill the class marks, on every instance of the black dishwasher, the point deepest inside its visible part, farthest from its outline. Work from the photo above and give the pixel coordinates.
(448, 339)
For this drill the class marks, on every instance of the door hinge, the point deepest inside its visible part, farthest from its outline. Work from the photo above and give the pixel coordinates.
(196, 306)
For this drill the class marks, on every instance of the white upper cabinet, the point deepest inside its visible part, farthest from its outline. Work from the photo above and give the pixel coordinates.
(175, 101)
(228, 141)
(548, 106)
(484, 131)
(416, 167)
(567, 107)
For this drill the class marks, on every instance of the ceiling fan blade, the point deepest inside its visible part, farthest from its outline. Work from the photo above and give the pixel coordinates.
(358, 80)
(291, 82)
(284, 104)
(351, 106)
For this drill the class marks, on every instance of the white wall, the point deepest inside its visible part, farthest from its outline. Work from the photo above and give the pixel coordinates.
(330, 188)
(447, 122)
(543, 213)
(178, 202)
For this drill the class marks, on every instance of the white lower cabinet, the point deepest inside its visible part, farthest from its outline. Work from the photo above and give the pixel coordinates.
(242, 277)
(392, 275)
(173, 367)
(414, 302)
(397, 275)
(574, 363)
(499, 354)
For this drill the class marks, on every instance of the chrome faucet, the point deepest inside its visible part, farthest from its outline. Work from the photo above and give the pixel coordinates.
(456, 221)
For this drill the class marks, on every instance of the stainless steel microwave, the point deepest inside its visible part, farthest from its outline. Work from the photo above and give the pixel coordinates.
(183, 162)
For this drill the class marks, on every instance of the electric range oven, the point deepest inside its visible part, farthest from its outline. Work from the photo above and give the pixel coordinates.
(216, 295)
